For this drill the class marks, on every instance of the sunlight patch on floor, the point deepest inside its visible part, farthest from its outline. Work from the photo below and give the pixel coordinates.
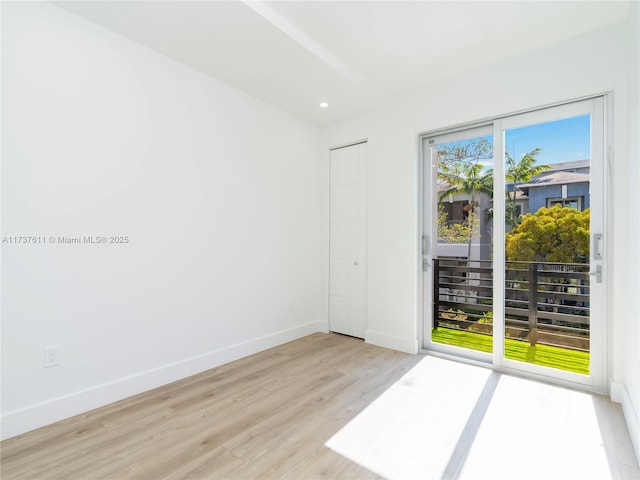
(532, 430)
(412, 430)
(445, 419)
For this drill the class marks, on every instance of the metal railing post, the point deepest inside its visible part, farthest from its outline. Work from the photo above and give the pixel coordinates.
(533, 296)
(436, 292)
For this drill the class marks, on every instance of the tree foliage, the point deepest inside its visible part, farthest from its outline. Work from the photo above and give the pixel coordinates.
(456, 232)
(523, 170)
(460, 167)
(467, 178)
(452, 155)
(557, 234)
(517, 172)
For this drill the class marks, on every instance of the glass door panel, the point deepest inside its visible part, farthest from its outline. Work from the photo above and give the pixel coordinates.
(461, 167)
(550, 164)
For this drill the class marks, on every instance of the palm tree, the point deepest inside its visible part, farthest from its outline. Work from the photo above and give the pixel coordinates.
(469, 178)
(521, 171)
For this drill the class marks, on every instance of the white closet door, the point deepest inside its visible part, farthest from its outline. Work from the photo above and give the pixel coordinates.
(347, 254)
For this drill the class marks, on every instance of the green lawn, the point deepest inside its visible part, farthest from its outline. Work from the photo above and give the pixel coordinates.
(555, 357)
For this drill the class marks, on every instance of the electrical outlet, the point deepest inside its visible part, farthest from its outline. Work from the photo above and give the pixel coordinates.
(50, 356)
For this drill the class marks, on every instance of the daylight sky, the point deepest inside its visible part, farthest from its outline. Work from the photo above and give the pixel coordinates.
(560, 141)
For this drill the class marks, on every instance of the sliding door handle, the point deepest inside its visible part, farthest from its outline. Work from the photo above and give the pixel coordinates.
(597, 274)
(425, 245)
(597, 254)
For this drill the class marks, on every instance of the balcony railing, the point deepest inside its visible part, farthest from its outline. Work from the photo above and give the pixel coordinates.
(545, 302)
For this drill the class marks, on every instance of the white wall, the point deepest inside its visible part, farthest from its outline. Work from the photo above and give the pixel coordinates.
(217, 192)
(583, 66)
(631, 319)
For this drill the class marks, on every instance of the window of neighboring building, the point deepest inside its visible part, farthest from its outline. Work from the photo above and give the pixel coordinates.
(570, 202)
(455, 210)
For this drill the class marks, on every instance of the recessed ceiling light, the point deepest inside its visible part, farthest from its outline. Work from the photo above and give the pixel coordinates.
(324, 105)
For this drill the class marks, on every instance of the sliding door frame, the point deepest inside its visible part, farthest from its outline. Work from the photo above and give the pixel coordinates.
(600, 138)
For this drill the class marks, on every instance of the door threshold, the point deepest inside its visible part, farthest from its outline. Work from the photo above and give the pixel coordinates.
(519, 373)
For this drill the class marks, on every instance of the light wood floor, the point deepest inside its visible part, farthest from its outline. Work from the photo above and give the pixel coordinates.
(270, 415)
(264, 416)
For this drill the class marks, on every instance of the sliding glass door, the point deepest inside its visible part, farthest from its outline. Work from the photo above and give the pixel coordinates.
(513, 250)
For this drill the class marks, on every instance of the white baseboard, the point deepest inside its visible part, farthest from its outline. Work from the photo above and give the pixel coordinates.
(36, 416)
(323, 326)
(620, 394)
(402, 344)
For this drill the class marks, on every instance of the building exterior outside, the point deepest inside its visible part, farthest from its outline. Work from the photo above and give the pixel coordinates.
(565, 184)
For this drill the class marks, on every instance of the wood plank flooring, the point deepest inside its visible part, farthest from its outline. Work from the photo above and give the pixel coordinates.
(269, 416)
(264, 416)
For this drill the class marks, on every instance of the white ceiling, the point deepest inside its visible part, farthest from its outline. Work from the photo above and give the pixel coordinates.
(353, 55)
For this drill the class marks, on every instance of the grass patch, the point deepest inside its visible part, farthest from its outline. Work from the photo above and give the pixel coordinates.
(545, 355)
